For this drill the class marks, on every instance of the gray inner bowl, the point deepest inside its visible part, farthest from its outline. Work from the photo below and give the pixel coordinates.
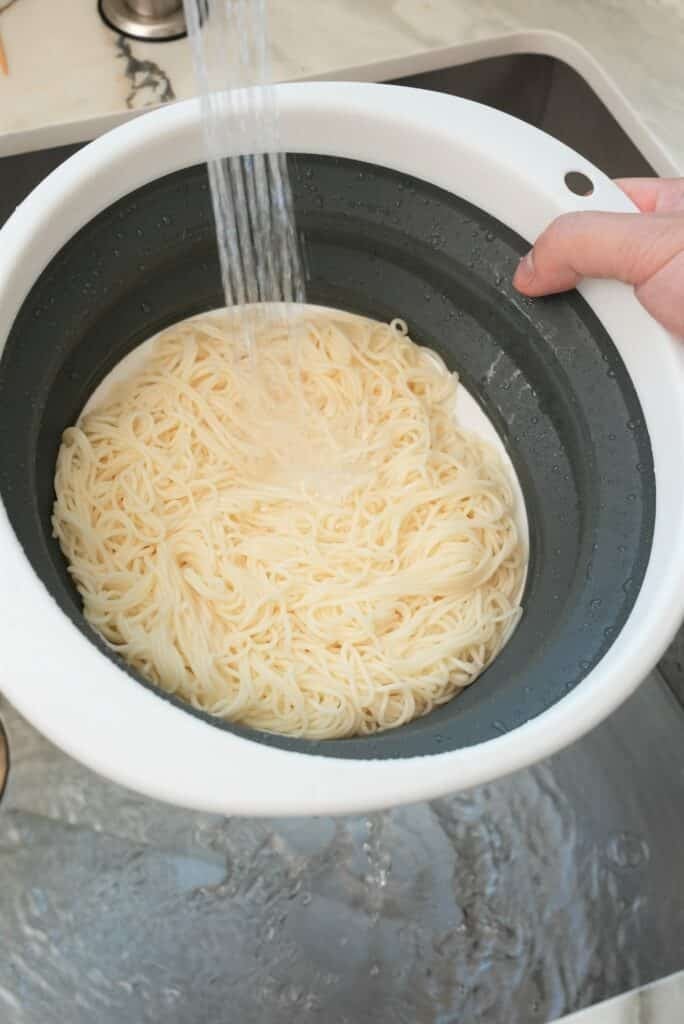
(380, 244)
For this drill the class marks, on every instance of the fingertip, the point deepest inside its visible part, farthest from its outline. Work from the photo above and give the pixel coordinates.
(524, 274)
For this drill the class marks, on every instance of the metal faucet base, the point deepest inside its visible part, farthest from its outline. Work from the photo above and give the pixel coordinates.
(123, 17)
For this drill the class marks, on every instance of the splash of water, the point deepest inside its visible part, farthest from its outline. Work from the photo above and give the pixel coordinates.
(493, 905)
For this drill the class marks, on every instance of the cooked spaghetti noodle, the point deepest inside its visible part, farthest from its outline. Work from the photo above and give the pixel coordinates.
(305, 542)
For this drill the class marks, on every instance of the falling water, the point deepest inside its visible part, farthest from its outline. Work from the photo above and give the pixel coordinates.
(510, 904)
(251, 193)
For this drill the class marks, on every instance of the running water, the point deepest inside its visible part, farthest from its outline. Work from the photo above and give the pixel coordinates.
(510, 904)
(251, 193)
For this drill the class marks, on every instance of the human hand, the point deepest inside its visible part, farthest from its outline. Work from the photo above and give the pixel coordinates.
(644, 249)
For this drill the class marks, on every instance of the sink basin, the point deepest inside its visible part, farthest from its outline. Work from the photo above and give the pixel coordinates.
(517, 902)
(548, 94)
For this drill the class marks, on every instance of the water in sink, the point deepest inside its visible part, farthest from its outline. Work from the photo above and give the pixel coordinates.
(514, 902)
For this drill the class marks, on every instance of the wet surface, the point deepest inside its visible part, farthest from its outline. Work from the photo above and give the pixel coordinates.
(515, 903)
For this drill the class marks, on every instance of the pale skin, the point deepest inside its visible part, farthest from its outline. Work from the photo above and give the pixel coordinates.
(644, 249)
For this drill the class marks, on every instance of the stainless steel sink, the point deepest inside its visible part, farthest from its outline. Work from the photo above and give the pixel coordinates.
(550, 95)
(514, 903)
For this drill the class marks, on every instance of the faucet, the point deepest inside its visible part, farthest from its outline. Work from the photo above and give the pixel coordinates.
(152, 20)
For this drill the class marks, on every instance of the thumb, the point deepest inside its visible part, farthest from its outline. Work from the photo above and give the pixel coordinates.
(629, 247)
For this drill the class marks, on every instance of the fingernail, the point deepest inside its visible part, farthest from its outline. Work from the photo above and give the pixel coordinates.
(525, 271)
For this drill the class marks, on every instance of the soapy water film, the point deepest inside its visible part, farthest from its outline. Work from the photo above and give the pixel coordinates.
(486, 906)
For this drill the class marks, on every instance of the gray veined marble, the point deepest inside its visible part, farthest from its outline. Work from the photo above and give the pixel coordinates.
(149, 83)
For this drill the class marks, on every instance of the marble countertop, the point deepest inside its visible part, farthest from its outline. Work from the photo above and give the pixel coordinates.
(70, 77)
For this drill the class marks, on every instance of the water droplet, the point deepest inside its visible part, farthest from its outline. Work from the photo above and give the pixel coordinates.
(585, 665)
(631, 497)
(611, 437)
(610, 373)
(628, 584)
(627, 850)
(500, 727)
(621, 548)
(490, 236)
(596, 602)
(139, 232)
(631, 424)
(609, 630)
(145, 308)
(294, 994)
(374, 971)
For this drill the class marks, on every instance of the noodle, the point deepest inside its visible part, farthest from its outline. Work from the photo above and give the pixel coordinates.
(305, 542)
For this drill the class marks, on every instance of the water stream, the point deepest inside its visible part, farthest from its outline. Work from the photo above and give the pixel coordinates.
(251, 194)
